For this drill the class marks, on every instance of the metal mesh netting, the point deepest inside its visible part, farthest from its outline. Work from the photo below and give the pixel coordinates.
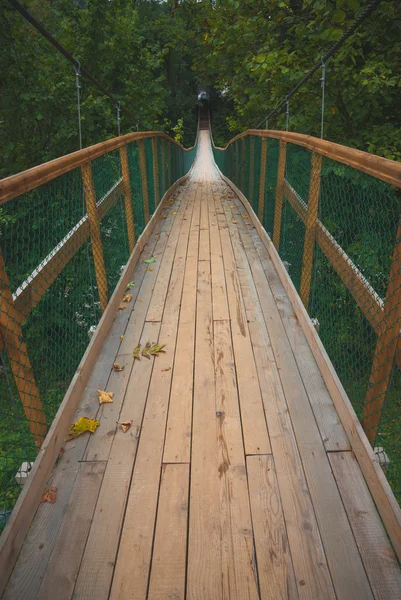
(63, 248)
(338, 234)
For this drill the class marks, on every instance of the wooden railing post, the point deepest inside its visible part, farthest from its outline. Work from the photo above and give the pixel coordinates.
(97, 248)
(144, 179)
(235, 178)
(262, 181)
(129, 214)
(386, 347)
(169, 164)
(163, 169)
(155, 171)
(278, 209)
(310, 231)
(242, 181)
(12, 336)
(251, 168)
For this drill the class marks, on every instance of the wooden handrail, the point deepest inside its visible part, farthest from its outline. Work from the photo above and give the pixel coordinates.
(18, 184)
(382, 168)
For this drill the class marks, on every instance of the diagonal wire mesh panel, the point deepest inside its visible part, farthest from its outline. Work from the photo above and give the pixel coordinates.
(338, 233)
(63, 247)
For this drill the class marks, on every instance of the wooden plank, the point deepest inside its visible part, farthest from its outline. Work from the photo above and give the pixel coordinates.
(131, 576)
(98, 561)
(17, 354)
(378, 485)
(144, 180)
(386, 348)
(256, 437)
(167, 579)
(97, 248)
(204, 235)
(19, 521)
(377, 554)
(278, 207)
(262, 182)
(204, 544)
(276, 573)
(177, 447)
(64, 563)
(219, 291)
(310, 232)
(129, 214)
(155, 170)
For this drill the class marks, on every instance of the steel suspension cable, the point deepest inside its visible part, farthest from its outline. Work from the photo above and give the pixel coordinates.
(371, 7)
(39, 27)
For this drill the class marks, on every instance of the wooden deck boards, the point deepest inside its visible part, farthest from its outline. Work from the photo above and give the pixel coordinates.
(236, 479)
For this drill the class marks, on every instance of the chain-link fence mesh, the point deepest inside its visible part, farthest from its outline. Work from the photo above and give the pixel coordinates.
(338, 235)
(63, 248)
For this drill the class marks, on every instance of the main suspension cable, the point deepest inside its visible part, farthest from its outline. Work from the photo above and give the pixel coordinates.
(322, 61)
(82, 71)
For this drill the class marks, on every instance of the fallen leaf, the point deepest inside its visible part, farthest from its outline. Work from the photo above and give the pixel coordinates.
(121, 338)
(232, 206)
(174, 213)
(149, 269)
(117, 367)
(244, 216)
(145, 351)
(60, 454)
(125, 425)
(168, 369)
(127, 298)
(136, 352)
(105, 397)
(149, 261)
(122, 306)
(156, 348)
(163, 217)
(235, 222)
(50, 496)
(82, 426)
(130, 284)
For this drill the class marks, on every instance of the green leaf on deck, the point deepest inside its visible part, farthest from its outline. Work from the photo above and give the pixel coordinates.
(136, 352)
(156, 348)
(145, 351)
(130, 284)
(150, 260)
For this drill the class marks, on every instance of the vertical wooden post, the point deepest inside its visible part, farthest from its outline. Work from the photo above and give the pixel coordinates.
(129, 215)
(278, 209)
(169, 164)
(235, 177)
(155, 171)
(386, 347)
(243, 148)
(251, 168)
(144, 179)
(310, 232)
(97, 248)
(163, 171)
(12, 336)
(262, 181)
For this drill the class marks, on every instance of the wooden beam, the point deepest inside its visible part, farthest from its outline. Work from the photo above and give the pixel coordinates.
(156, 171)
(242, 168)
(144, 180)
(310, 232)
(262, 181)
(251, 168)
(379, 487)
(169, 164)
(386, 347)
(94, 226)
(163, 171)
(13, 339)
(279, 195)
(18, 524)
(129, 213)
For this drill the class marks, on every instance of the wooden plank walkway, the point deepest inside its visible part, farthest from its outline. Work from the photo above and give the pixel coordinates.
(236, 479)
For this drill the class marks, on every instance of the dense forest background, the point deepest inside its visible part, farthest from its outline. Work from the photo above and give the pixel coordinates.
(153, 54)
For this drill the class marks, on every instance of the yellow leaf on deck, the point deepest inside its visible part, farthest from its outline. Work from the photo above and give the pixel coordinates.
(235, 222)
(136, 352)
(121, 307)
(174, 213)
(127, 298)
(50, 496)
(105, 397)
(150, 269)
(117, 367)
(156, 348)
(244, 216)
(82, 426)
(121, 338)
(145, 351)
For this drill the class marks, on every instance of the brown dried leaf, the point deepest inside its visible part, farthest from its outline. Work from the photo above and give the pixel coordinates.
(105, 397)
(118, 367)
(244, 216)
(125, 425)
(122, 306)
(235, 222)
(168, 369)
(50, 496)
(127, 298)
(121, 338)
